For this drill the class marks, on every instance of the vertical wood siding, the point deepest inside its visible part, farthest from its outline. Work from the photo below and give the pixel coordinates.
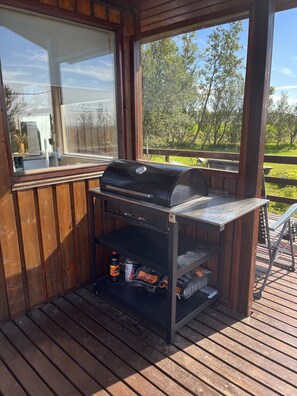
(44, 235)
(52, 225)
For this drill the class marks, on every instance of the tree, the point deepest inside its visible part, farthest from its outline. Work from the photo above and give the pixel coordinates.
(221, 71)
(292, 122)
(169, 90)
(270, 116)
(14, 107)
(281, 118)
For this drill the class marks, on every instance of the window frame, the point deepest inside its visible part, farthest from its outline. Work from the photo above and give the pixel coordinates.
(84, 20)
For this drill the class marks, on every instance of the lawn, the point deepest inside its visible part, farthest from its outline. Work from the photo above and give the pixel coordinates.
(278, 170)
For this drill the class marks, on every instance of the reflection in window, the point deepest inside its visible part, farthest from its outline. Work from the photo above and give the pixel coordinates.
(59, 89)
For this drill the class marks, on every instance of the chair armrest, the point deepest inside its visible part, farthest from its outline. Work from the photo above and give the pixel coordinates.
(285, 217)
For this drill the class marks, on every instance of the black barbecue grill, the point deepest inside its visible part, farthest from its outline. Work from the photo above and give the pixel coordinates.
(153, 199)
(142, 193)
(161, 184)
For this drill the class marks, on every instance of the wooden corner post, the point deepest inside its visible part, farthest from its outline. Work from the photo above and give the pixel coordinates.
(252, 142)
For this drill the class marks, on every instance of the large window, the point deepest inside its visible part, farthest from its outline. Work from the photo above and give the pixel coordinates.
(59, 89)
(193, 88)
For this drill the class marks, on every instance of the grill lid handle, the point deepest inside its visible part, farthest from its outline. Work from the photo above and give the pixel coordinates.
(130, 192)
(141, 170)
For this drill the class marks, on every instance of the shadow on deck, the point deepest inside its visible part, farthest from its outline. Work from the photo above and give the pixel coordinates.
(82, 344)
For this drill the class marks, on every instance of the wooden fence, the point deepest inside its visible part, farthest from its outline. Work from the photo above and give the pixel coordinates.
(228, 157)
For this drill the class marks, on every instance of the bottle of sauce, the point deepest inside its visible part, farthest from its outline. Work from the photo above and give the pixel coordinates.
(114, 267)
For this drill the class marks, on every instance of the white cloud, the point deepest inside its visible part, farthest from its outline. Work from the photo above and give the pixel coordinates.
(285, 87)
(14, 75)
(37, 56)
(102, 74)
(291, 101)
(285, 71)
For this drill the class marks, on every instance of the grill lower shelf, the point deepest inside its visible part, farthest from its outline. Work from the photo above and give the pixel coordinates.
(153, 306)
(150, 248)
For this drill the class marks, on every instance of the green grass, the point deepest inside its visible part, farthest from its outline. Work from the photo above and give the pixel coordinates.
(286, 172)
(278, 170)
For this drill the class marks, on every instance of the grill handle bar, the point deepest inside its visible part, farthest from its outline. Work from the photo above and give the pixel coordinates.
(130, 192)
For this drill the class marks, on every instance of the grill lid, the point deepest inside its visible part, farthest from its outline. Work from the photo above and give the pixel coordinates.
(161, 184)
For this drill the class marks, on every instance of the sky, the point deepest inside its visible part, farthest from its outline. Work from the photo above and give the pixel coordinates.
(284, 56)
(26, 61)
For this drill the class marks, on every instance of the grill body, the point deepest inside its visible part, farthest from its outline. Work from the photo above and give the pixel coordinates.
(160, 184)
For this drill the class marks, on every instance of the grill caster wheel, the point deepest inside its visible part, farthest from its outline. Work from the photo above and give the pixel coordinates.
(292, 269)
(258, 295)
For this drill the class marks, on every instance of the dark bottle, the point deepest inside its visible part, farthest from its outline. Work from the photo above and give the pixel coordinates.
(114, 267)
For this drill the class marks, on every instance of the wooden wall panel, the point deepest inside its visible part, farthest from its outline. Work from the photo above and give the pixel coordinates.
(9, 244)
(81, 231)
(49, 241)
(100, 11)
(31, 250)
(83, 7)
(114, 15)
(44, 236)
(100, 228)
(11, 256)
(4, 310)
(67, 4)
(66, 237)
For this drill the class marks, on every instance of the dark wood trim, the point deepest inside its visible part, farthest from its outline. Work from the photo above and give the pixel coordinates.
(50, 173)
(127, 140)
(256, 95)
(287, 201)
(282, 5)
(4, 307)
(192, 22)
(279, 180)
(60, 13)
(253, 140)
(56, 180)
(279, 159)
(193, 153)
(138, 101)
(122, 5)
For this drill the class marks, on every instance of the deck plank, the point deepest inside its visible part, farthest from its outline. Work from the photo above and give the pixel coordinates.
(136, 333)
(150, 349)
(176, 354)
(8, 384)
(117, 343)
(75, 374)
(85, 344)
(54, 379)
(129, 376)
(106, 378)
(27, 377)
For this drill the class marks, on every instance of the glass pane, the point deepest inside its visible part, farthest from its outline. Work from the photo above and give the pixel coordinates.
(193, 87)
(59, 88)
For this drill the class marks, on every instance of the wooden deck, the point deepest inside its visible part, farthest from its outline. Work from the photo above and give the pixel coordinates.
(81, 344)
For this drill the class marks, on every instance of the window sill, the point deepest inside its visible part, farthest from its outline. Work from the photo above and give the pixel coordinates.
(44, 177)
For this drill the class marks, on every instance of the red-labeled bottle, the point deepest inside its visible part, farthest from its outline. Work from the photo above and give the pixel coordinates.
(114, 267)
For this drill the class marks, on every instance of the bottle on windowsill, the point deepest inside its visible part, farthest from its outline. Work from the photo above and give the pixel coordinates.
(114, 267)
